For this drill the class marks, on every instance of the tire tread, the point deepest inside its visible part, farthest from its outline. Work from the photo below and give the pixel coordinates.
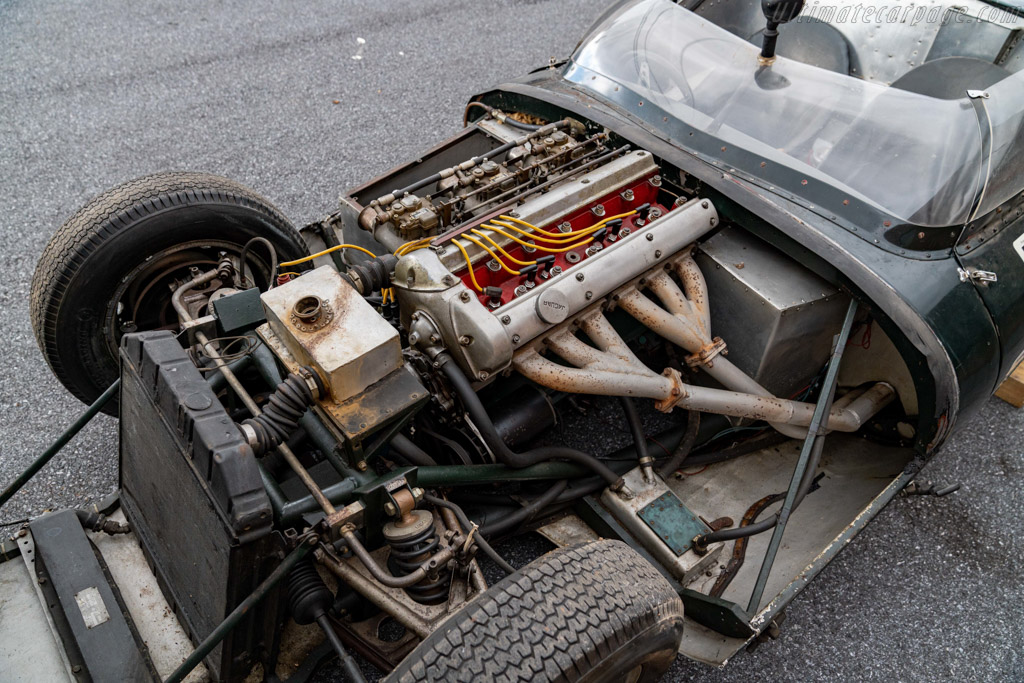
(554, 620)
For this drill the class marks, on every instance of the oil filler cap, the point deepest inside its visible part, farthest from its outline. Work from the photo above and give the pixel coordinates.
(552, 306)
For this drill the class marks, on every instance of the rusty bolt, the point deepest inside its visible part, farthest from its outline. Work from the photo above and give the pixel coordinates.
(361, 465)
(580, 277)
(464, 297)
(650, 237)
(483, 375)
(506, 319)
(434, 339)
(448, 279)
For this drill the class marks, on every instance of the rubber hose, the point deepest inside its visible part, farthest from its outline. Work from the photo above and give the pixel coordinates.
(280, 417)
(480, 541)
(684, 447)
(525, 513)
(410, 452)
(494, 442)
(636, 428)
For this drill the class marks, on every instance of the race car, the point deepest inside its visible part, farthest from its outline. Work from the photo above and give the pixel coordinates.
(734, 224)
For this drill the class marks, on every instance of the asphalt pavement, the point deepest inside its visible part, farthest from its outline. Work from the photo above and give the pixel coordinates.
(301, 100)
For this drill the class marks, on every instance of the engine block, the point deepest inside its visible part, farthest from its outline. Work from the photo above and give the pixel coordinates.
(462, 299)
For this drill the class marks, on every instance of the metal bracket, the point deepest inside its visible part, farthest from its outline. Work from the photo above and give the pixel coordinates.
(815, 439)
(982, 277)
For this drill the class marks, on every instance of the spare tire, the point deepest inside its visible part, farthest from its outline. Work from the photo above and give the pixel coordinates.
(110, 268)
(595, 613)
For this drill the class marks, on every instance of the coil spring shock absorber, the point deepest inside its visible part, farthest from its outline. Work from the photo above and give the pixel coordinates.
(413, 539)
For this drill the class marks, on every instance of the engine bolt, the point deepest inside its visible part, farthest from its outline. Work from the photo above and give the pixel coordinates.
(589, 295)
(506, 319)
(483, 375)
(465, 297)
(361, 465)
(650, 236)
(465, 340)
(580, 277)
(390, 509)
(704, 204)
(657, 253)
(565, 226)
(515, 338)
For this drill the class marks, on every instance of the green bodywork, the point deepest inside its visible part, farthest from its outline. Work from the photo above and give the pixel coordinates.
(958, 339)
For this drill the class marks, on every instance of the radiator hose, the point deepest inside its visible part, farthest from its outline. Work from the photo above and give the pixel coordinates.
(280, 417)
(494, 442)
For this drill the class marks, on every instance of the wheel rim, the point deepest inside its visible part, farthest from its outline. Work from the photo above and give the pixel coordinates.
(142, 300)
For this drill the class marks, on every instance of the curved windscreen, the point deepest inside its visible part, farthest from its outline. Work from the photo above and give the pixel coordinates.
(921, 159)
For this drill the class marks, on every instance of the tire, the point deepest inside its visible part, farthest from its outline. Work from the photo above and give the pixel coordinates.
(107, 270)
(594, 613)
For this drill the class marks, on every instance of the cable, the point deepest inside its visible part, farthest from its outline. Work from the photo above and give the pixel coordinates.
(485, 426)
(565, 239)
(469, 266)
(493, 255)
(497, 246)
(413, 246)
(538, 247)
(534, 228)
(571, 233)
(328, 251)
(245, 254)
(467, 525)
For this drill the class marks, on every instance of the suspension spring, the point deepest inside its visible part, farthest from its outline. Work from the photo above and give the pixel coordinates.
(412, 541)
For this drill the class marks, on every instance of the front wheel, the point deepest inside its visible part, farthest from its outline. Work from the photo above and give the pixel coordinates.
(594, 613)
(111, 268)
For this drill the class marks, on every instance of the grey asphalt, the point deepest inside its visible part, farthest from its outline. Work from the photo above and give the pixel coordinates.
(92, 94)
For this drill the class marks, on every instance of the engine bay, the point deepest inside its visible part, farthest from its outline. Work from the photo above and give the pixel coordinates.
(440, 372)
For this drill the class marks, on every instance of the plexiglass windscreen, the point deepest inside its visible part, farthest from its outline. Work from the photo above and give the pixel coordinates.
(916, 157)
